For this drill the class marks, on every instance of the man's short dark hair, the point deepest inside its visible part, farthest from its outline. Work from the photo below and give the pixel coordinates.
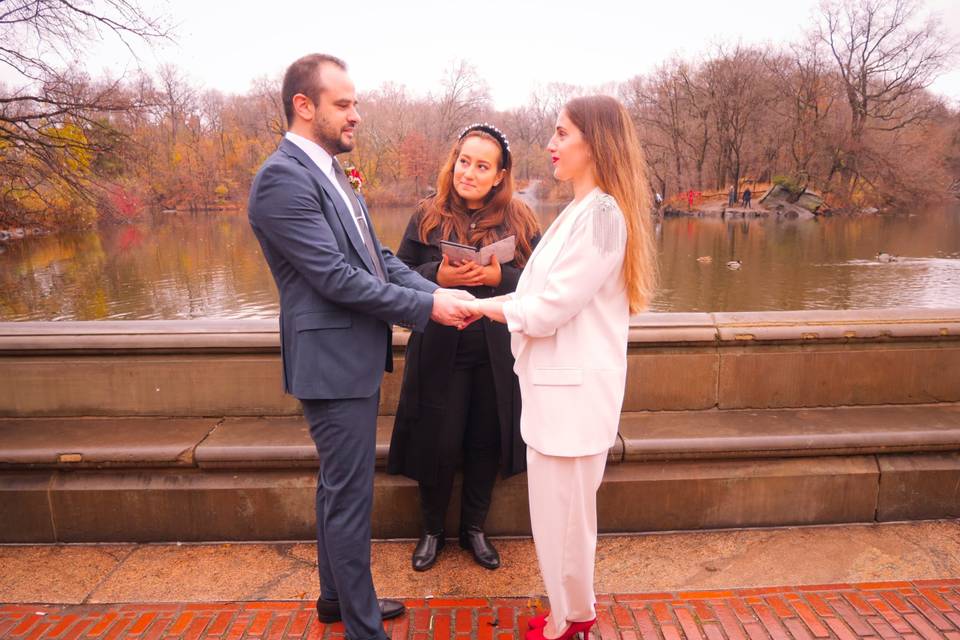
(303, 77)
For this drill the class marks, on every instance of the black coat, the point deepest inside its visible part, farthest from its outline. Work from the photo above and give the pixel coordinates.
(429, 364)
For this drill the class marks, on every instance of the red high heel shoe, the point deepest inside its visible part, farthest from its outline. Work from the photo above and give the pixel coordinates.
(572, 630)
(538, 622)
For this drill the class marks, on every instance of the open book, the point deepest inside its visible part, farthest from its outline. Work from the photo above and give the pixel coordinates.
(504, 249)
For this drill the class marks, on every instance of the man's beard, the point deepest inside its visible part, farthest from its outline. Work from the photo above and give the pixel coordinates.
(328, 138)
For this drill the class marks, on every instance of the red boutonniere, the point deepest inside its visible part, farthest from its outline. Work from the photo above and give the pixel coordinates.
(354, 176)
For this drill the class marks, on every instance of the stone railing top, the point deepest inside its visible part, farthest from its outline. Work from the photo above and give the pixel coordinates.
(139, 334)
(838, 324)
(646, 329)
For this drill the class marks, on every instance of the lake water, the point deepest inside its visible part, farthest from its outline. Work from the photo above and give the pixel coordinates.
(208, 265)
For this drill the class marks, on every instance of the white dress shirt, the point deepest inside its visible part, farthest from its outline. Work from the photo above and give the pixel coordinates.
(324, 162)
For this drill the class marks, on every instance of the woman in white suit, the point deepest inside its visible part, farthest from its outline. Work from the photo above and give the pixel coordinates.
(569, 319)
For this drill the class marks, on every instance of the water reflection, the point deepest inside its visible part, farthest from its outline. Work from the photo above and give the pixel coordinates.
(826, 263)
(208, 265)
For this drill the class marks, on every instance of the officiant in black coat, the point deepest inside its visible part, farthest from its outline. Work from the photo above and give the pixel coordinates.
(460, 400)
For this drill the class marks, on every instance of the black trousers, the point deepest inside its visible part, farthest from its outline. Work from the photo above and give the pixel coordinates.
(470, 433)
(345, 434)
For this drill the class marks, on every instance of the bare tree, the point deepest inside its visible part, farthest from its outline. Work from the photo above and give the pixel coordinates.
(528, 129)
(698, 135)
(266, 91)
(734, 82)
(465, 96)
(885, 60)
(672, 102)
(54, 119)
(174, 102)
(656, 103)
(36, 33)
(805, 108)
(387, 119)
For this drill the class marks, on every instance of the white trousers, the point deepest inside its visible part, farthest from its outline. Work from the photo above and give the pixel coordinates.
(563, 514)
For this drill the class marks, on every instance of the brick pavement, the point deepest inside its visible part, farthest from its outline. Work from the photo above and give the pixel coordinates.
(918, 610)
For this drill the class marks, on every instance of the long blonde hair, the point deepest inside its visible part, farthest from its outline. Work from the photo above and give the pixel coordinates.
(620, 169)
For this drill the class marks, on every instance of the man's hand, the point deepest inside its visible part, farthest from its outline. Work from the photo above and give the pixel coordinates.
(453, 310)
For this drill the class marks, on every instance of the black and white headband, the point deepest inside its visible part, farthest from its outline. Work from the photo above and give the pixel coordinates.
(498, 135)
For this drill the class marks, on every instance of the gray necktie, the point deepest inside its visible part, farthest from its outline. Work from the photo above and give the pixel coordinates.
(358, 216)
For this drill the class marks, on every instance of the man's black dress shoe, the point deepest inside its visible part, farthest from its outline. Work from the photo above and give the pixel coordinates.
(428, 548)
(328, 611)
(473, 539)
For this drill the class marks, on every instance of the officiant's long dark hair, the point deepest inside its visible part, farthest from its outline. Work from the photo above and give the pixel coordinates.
(501, 215)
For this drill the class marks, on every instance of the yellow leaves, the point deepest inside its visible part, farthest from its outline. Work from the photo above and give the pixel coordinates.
(72, 146)
(51, 205)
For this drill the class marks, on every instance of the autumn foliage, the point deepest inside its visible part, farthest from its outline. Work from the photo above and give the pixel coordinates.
(832, 112)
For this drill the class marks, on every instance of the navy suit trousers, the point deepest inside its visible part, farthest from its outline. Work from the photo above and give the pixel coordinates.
(345, 434)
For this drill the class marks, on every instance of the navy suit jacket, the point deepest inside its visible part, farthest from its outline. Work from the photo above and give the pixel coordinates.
(335, 313)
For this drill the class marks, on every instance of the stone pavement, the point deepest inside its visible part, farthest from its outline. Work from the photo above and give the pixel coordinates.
(899, 580)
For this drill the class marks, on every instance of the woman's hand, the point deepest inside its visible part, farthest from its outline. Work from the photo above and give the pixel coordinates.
(492, 308)
(468, 274)
(492, 273)
(489, 276)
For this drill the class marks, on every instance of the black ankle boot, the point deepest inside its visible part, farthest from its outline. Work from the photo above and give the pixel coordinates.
(473, 539)
(428, 548)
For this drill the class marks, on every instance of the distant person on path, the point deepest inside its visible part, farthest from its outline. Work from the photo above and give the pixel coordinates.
(732, 196)
(339, 293)
(569, 320)
(746, 197)
(690, 200)
(460, 399)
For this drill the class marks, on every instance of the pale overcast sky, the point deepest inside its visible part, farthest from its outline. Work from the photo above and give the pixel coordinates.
(515, 45)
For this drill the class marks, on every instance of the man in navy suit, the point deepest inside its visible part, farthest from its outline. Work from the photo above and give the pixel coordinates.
(340, 292)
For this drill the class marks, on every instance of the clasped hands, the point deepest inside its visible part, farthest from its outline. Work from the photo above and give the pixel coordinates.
(458, 308)
(461, 308)
(455, 308)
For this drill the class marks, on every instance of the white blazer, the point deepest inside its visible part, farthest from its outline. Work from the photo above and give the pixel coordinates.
(569, 319)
